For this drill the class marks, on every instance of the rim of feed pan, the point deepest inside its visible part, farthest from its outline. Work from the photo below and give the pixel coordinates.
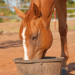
(45, 60)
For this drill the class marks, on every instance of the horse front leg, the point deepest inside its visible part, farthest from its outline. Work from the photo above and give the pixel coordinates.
(62, 12)
(64, 50)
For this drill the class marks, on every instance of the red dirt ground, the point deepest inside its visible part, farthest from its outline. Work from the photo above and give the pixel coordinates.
(11, 47)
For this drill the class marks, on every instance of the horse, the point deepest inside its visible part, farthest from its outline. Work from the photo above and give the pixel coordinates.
(35, 30)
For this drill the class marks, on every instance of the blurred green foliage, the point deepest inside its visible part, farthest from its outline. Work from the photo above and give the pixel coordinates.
(2, 3)
(2, 10)
(1, 20)
(25, 4)
(5, 12)
(70, 1)
(71, 4)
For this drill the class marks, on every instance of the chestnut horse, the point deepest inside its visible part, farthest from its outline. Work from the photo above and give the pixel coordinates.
(35, 30)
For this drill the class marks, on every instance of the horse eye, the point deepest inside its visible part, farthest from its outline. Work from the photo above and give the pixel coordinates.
(35, 37)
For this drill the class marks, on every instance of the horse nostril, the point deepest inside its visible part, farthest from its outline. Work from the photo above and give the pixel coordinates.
(35, 37)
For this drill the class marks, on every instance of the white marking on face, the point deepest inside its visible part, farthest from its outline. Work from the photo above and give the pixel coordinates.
(24, 45)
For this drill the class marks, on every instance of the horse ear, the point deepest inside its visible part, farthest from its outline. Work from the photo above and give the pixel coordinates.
(36, 11)
(19, 13)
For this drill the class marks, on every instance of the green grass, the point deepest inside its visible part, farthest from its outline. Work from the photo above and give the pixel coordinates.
(70, 28)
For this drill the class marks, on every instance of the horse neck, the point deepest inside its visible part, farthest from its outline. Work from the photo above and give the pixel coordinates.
(46, 7)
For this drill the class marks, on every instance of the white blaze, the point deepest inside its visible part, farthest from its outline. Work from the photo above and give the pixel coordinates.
(24, 45)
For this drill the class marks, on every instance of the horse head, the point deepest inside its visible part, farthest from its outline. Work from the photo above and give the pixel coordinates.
(34, 33)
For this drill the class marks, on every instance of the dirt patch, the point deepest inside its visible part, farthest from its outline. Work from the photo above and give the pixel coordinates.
(14, 26)
(11, 47)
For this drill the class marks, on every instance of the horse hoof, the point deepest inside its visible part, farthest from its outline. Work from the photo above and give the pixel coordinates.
(64, 71)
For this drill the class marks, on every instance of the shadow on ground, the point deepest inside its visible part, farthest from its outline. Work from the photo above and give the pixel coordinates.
(71, 68)
(8, 44)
